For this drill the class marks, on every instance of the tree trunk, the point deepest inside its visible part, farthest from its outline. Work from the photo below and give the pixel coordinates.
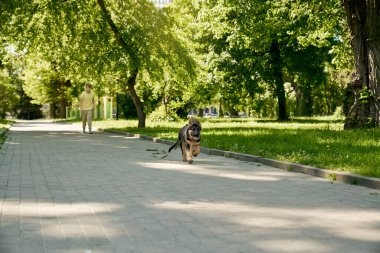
(134, 63)
(233, 112)
(275, 54)
(62, 108)
(363, 19)
(328, 99)
(52, 111)
(136, 100)
(200, 112)
(299, 104)
(220, 113)
(61, 86)
(308, 101)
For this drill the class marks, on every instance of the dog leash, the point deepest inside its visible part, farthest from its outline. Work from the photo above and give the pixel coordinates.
(184, 137)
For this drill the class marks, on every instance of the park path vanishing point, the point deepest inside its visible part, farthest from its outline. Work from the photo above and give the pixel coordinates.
(64, 191)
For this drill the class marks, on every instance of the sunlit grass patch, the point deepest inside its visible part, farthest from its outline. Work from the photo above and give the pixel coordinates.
(4, 123)
(319, 142)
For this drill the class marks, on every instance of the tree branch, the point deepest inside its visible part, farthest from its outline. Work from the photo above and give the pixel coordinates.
(112, 25)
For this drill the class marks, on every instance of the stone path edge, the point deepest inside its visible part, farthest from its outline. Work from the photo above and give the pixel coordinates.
(342, 177)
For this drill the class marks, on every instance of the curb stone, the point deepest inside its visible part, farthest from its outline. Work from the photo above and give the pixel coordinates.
(342, 177)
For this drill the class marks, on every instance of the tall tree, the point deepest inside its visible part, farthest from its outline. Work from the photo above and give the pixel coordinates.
(8, 89)
(248, 42)
(188, 26)
(134, 62)
(44, 83)
(107, 43)
(363, 19)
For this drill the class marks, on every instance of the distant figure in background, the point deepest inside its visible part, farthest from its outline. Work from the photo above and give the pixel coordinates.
(87, 105)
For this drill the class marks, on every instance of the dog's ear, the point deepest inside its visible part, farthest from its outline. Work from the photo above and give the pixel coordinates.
(194, 121)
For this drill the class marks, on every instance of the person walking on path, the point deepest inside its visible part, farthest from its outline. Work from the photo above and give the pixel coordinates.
(87, 105)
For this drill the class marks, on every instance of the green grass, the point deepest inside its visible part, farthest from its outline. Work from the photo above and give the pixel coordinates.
(319, 142)
(5, 123)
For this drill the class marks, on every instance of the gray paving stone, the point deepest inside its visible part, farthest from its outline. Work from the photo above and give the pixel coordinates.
(63, 191)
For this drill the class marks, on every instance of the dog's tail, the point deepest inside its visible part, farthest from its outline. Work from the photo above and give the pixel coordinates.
(174, 146)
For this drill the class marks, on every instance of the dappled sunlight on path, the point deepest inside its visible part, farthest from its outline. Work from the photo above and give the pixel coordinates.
(63, 191)
(215, 171)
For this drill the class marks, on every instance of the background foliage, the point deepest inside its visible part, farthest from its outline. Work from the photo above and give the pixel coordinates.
(261, 58)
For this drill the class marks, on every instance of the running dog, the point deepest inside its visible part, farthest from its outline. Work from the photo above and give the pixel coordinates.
(189, 137)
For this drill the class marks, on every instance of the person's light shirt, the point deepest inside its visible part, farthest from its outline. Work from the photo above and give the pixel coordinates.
(87, 99)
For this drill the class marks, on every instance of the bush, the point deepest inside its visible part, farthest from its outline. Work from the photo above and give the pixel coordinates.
(125, 106)
(160, 115)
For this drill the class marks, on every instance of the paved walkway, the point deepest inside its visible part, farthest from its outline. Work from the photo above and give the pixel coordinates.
(63, 191)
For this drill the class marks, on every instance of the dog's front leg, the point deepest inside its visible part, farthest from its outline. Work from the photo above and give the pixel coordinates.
(189, 151)
(184, 151)
(196, 150)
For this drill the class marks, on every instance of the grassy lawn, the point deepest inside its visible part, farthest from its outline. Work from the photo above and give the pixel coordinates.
(319, 142)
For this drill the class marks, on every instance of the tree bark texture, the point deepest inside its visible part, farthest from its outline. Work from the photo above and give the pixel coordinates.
(200, 112)
(52, 111)
(131, 83)
(363, 19)
(275, 54)
(136, 100)
(62, 101)
(62, 108)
